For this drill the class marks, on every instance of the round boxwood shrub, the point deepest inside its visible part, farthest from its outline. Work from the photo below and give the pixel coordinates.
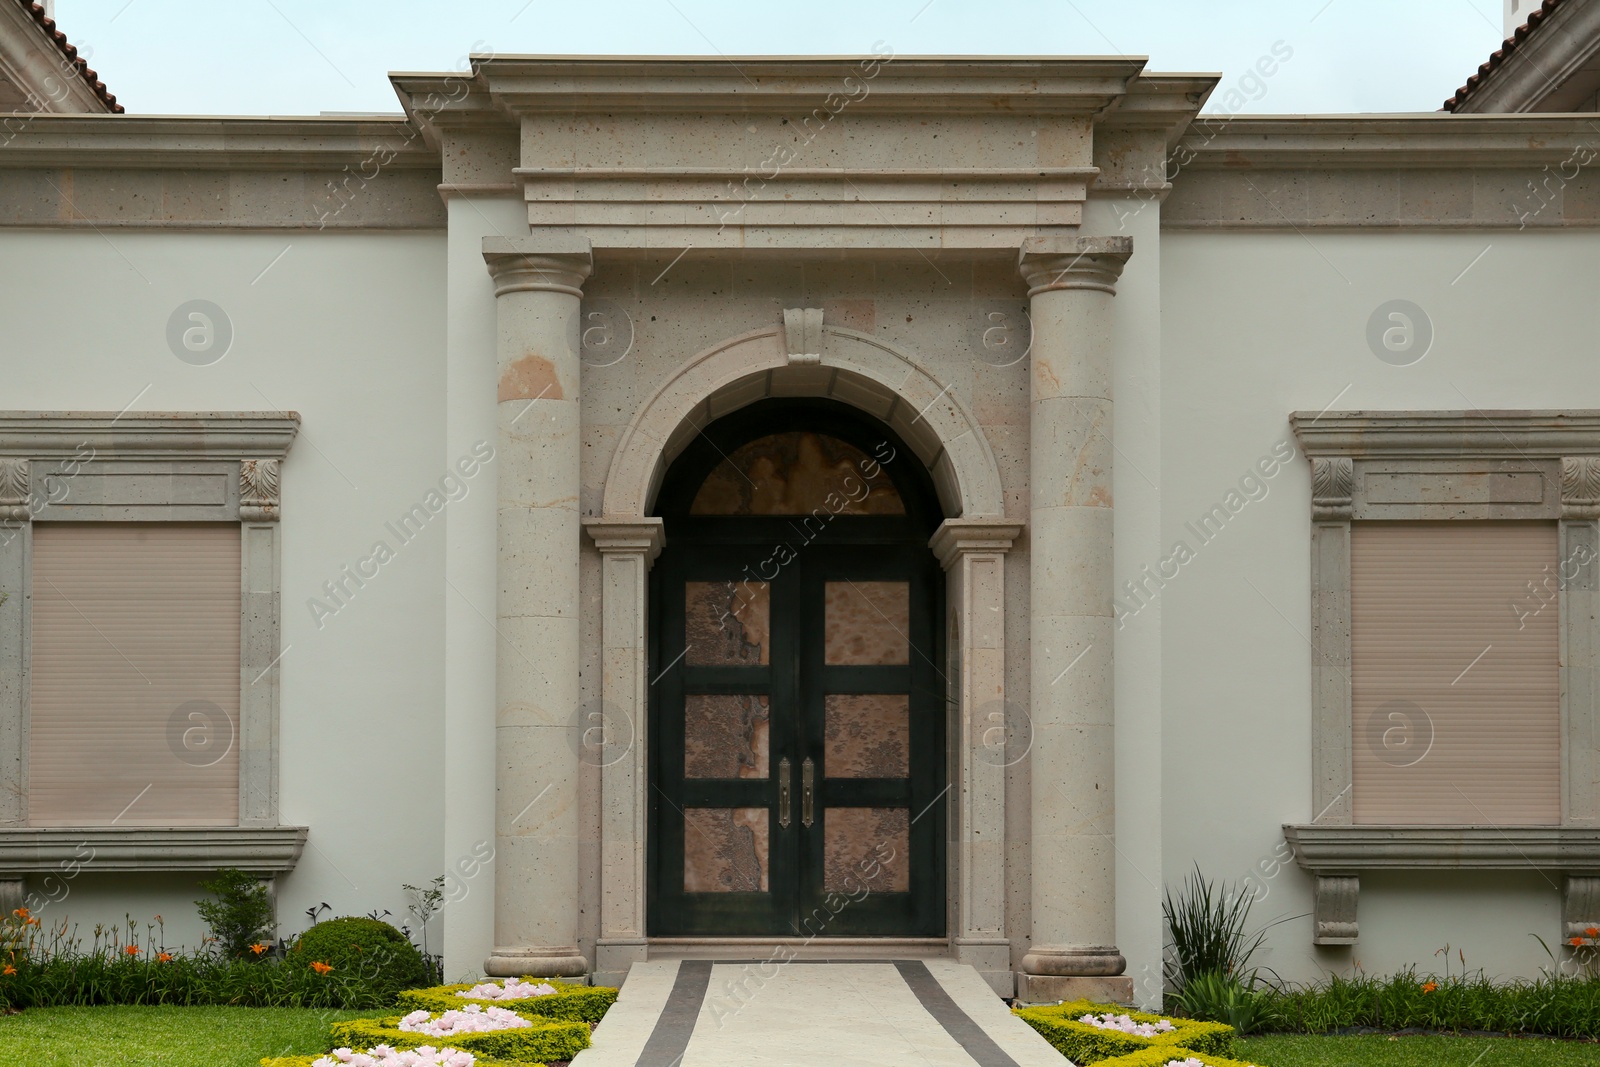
(361, 949)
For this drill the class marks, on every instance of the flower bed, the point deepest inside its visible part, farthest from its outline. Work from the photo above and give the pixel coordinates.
(473, 1019)
(534, 1043)
(568, 1002)
(510, 989)
(1085, 1043)
(1171, 1057)
(384, 1056)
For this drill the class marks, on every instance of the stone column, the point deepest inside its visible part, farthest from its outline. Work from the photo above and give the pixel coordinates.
(991, 738)
(614, 737)
(1071, 281)
(538, 285)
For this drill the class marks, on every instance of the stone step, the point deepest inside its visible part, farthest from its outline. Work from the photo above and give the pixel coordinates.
(839, 1013)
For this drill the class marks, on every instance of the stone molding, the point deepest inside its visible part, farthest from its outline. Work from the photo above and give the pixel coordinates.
(1325, 849)
(1332, 483)
(51, 849)
(1048, 263)
(153, 435)
(1580, 487)
(857, 369)
(954, 537)
(1447, 434)
(15, 495)
(1550, 68)
(645, 537)
(538, 264)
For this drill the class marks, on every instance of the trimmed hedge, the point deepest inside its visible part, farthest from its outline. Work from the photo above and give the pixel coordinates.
(1085, 1044)
(1160, 1057)
(570, 1003)
(356, 944)
(307, 1061)
(524, 1045)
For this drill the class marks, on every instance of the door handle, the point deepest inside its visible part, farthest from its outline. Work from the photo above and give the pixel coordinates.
(808, 790)
(783, 792)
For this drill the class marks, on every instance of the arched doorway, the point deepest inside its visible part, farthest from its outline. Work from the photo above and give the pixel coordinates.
(797, 738)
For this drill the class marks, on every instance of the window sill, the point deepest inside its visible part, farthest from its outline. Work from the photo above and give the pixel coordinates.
(1336, 855)
(52, 849)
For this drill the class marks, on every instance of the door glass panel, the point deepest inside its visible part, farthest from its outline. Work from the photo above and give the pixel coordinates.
(867, 623)
(797, 474)
(867, 735)
(725, 850)
(725, 735)
(728, 624)
(866, 846)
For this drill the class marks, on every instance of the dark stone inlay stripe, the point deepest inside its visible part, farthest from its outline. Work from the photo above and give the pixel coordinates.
(670, 1039)
(957, 1023)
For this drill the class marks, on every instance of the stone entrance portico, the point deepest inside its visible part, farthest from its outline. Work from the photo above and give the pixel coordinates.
(862, 259)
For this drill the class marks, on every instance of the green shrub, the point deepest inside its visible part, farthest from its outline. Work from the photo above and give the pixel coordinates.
(524, 1045)
(1223, 998)
(1208, 925)
(571, 1003)
(1084, 1044)
(1160, 1057)
(241, 914)
(369, 948)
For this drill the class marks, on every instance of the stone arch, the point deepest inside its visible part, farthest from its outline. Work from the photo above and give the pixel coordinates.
(854, 368)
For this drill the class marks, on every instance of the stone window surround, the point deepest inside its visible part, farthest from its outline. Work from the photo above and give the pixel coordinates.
(1449, 466)
(171, 466)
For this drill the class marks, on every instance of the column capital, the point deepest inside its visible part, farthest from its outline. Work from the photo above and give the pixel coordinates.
(538, 264)
(956, 537)
(1048, 263)
(617, 535)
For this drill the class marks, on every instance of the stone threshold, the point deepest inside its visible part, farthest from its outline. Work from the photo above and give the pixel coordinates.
(798, 948)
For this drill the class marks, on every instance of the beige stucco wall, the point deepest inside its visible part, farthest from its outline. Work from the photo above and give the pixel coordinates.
(1255, 326)
(348, 330)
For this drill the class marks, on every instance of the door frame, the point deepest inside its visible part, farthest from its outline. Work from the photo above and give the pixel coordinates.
(894, 384)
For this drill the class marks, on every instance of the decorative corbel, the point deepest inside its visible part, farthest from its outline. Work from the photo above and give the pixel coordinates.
(258, 490)
(1580, 907)
(1333, 480)
(802, 330)
(15, 504)
(1334, 910)
(1580, 487)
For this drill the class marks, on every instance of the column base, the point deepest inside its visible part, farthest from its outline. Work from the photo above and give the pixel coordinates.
(613, 957)
(1097, 961)
(992, 959)
(559, 962)
(1055, 988)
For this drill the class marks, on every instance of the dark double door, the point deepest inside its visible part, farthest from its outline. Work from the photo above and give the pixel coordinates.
(797, 737)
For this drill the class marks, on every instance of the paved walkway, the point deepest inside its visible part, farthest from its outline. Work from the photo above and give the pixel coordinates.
(919, 1013)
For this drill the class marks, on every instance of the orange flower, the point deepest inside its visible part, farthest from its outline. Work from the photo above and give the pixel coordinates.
(21, 913)
(320, 967)
(10, 970)
(1593, 931)
(1575, 942)
(132, 950)
(165, 957)
(258, 948)
(1429, 987)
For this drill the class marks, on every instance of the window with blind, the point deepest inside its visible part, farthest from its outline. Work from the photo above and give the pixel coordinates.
(1455, 695)
(135, 674)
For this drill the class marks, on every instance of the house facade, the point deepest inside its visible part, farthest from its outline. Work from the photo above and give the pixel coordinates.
(879, 506)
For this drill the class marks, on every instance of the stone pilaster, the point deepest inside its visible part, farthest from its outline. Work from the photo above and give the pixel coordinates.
(1071, 281)
(614, 738)
(538, 286)
(993, 733)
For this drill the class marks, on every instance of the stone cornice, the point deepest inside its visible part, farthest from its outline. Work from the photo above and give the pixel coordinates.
(1383, 142)
(148, 435)
(1328, 849)
(58, 849)
(1451, 434)
(203, 143)
(1550, 69)
(955, 537)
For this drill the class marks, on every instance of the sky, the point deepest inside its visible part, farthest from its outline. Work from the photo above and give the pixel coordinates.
(304, 57)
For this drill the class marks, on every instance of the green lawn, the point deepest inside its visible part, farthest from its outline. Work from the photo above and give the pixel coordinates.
(1296, 1050)
(169, 1037)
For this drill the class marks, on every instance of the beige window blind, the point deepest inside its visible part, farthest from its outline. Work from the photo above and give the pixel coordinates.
(135, 675)
(1454, 685)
